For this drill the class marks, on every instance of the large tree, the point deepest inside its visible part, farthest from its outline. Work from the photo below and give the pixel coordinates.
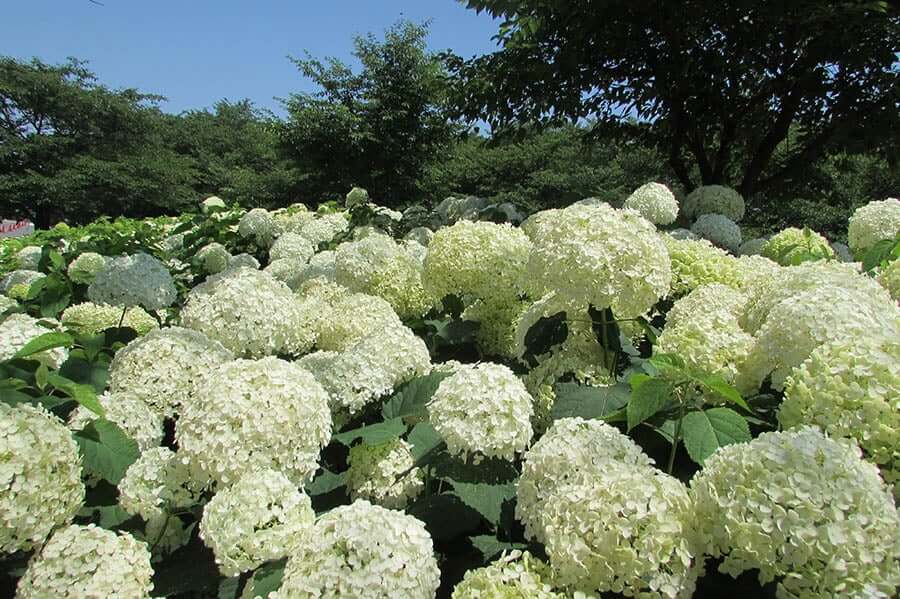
(377, 128)
(73, 149)
(743, 92)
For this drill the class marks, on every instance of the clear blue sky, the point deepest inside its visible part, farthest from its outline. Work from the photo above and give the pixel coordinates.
(196, 52)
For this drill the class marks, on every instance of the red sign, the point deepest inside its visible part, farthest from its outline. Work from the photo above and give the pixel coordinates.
(14, 228)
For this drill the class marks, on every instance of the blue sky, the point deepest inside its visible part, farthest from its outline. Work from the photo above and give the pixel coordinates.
(196, 52)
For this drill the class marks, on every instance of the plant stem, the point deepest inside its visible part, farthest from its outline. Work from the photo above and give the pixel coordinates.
(122, 319)
(675, 438)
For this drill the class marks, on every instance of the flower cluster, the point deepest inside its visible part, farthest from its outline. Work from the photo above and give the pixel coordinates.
(292, 246)
(211, 203)
(260, 518)
(162, 367)
(258, 225)
(221, 431)
(87, 561)
(626, 530)
(135, 280)
(496, 333)
(160, 483)
(130, 413)
(213, 258)
(518, 575)
(375, 474)
(251, 314)
(90, 318)
(483, 410)
(890, 279)
(804, 510)
(481, 259)
(317, 229)
(29, 257)
(40, 487)
(718, 229)
(872, 223)
(714, 199)
(18, 279)
(753, 247)
(600, 256)
(849, 388)
(6, 303)
(356, 197)
(377, 265)
(365, 551)
(571, 449)
(793, 245)
(18, 329)
(655, 202)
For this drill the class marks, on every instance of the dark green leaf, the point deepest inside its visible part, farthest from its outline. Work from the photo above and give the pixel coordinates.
(706, 431)
(489, 470)
(486, 499)
(410, 400)
(106, 450)
(445, 516)
(190, 569)
(46, 341)
(267, 578)
(584, 401)
(649, 397)
(326, 482)
(423, 439)
(606, 329)
(490, 546)
(40, 376)
(373, 434)
(83, 394)
(721, 386)
(543, 335)
(95, 374)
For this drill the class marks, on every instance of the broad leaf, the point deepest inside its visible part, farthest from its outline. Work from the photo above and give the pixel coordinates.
(575, 400)
(411, 399)
(326, 482)
(373, 434)
(106, 450)
(721, 386)
(706, 431)
(423, 439)
(649, 397)
(486, 499)
(543, 335)
(267, 578)
(46, 341)
(445, 516)
(83, 394)
(490, 546)
(492, 471)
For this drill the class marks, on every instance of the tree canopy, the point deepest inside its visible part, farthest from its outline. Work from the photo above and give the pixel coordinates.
(743, 92)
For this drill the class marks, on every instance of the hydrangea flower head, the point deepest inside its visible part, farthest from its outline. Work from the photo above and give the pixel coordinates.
(718, 229)
(135, 280)
(375, 474)
(714, 199)
(874, 222)
(655, 202)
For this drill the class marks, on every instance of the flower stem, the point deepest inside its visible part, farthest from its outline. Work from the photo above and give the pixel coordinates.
(675, 438)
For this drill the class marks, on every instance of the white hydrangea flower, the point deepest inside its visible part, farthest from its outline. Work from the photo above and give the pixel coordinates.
(162, 367)
(6, 304)
(260, 518)
(40, 477)
(655, 202)
(890, 279)
(482, 259)
(18, 329)
(160, 483)
(872, 223)
(628, 531)
(29, 257)
(799, 324)
(600, 256)
(240, 261)
(292, 246)
(753, 247)
(363, 551)
(696, 262)
(85, 267)
(135, 280)
(423, 235)
(718, 229)
(788, 246)
(370, 368)
(320, 266)
(19, 278)
(709, 297)
(213, 257)
(251, 314)
(518, 575)
(374, 474)
(356, 197)
(484, 410)
(496, 334)
(680, 234)
(805, 510)
(287, 270)
(572, 448)
(377, 265)
(130, 413)
(714, 199)
(88, 561)
(259, 226)
(318, 229)
(90, 318)
(850, 388)
(210, 203)
(252, 414)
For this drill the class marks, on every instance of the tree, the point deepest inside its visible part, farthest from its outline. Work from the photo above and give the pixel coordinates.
(73, 149)
(377, 128)
(719, 84)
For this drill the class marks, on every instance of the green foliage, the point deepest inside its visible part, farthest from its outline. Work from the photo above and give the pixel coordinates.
(707, 430)
(582, 401)
(377, 128)
(106, 451)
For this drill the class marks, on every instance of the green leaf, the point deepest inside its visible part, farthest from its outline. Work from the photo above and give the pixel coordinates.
(267, 578)
(445, 516)
(606, 329)
(667, 363)
(706, 431)
(95, 374)
(83, 394)
(485, 499)
(44, 342)
(543, 335)
(326, 482)
(410, 400)
(721, 386)
(423, 439)
(575, 400)
(492, 471)
(490, 546)
(649, 397)
(40, 376)
(373, 434)
(106, 450)
(190, 569)
(57, 261)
